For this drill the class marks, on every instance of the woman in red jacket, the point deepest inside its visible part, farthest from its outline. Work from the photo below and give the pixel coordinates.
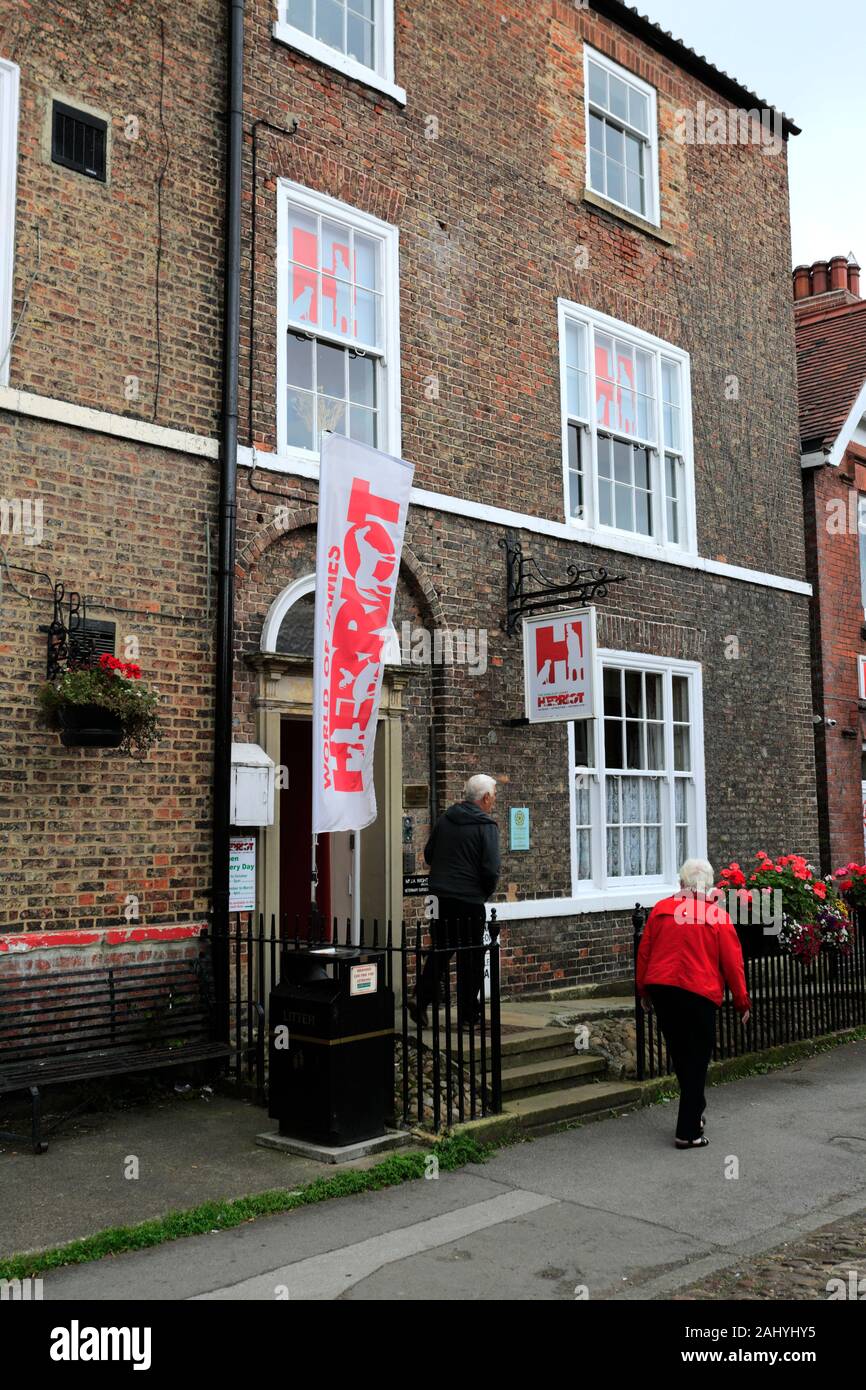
(688, 952)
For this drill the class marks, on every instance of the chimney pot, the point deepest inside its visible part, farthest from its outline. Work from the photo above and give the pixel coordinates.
(802, 283)
(820, 277)
(839, 273)
(853, 275)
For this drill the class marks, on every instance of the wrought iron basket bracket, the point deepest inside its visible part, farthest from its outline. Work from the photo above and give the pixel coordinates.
(60, 631)
(530, 590)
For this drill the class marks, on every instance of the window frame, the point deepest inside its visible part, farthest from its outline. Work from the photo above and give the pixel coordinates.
(590, 526)
(600, 881)
(322, 205)
(9, 111)
(380, 76)
(653, 213)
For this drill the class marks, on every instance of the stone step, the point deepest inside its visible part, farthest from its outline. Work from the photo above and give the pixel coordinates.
(517, 1049)
(556, 1107)
(537, 1041)
(548, 1077)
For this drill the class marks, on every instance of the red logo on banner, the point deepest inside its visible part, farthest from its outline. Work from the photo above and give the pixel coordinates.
(355, 632)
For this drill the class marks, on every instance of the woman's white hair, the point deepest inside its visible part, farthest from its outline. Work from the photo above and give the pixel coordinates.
(478, 787)
(697, 875)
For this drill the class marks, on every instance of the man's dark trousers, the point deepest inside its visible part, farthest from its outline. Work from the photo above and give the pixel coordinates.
(688, 1024)
(458, 924)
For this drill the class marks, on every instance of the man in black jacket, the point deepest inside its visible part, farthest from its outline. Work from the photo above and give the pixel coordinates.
(463, 854)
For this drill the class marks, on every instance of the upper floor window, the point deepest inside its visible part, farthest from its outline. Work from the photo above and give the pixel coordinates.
(627, 430)
(8, 169)
(354, 36)
(622, 140)
(338, 344)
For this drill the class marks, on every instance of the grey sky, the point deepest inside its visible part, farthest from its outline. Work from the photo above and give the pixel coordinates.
(808, 61)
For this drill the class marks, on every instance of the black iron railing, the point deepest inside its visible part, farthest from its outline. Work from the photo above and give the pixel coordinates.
(447, 1072)
(791, 1001)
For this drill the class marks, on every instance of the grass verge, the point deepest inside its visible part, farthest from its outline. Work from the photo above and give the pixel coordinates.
(451, 1152)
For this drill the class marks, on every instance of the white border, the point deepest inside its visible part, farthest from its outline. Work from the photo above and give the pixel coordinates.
(861, 677)
(389, 235)
(134, 431)
(653, 215)
(529, 624)
(848, 430)
(381, 77)
(9, 86)
(541, 526)
(568, 311)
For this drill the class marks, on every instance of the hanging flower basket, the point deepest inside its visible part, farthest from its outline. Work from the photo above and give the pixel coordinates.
(89, 726)
(815, 915)
(103, 706)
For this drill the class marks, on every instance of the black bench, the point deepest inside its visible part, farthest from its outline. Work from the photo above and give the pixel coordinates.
(74, 1026)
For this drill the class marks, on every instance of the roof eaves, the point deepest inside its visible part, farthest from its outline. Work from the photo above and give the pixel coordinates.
(664, 42)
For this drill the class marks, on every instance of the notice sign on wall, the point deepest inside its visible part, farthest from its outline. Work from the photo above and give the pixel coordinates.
(559, 665)
(518, 827)
(242, 873)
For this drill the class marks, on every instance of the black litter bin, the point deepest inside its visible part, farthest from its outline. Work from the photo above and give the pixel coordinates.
(331, 1046)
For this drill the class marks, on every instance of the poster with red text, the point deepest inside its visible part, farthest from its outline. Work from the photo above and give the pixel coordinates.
(363, 502)
(559, 665)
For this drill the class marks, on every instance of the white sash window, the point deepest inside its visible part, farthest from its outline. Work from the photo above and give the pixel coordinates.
(638, 809)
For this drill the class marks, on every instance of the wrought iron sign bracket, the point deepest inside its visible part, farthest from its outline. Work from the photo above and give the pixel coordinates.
(60, 631)
(530, 590)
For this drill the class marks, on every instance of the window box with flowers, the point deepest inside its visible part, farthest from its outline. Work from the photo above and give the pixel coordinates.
(106, 705)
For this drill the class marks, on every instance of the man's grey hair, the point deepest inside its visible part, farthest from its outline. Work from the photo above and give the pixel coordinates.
(478, 786)
(697, 875)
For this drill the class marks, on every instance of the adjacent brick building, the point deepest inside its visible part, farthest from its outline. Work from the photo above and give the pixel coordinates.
(495, 239)
(831, 358)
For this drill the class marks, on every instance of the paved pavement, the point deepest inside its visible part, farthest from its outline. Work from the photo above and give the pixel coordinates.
(608, 1211)
(187, 1149)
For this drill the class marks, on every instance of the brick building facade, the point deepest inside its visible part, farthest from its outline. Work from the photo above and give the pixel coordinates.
(489, 246)
(831, 355)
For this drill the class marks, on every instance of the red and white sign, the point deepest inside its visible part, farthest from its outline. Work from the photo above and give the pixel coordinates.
(559, 665)
(861, 677)
(363, 502)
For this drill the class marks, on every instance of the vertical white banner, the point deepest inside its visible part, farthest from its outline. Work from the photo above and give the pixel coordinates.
(363, 502)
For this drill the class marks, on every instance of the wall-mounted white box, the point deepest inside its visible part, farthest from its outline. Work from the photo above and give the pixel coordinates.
(253, 775)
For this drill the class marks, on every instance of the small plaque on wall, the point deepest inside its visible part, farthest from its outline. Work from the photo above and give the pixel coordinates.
(416, 885)
(416, 794)
(519, 827)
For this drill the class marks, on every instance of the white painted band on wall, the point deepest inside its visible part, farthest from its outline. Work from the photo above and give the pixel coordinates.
(179, 441)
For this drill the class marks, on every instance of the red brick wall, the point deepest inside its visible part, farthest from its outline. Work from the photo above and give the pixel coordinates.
(491, 217)
(113, 281)
(833, 549)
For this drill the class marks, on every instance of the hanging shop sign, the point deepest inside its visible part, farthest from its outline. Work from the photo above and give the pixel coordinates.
(861, 677)
(363, 502)
(559, 665)
(242, 873)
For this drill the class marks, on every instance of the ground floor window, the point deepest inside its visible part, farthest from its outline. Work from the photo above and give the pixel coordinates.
(637, 774)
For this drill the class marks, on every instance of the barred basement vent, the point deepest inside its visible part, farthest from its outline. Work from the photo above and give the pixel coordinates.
(78, 141)
(97, 638)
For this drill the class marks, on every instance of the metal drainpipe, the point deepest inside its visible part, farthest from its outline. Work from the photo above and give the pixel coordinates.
(227, 519)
